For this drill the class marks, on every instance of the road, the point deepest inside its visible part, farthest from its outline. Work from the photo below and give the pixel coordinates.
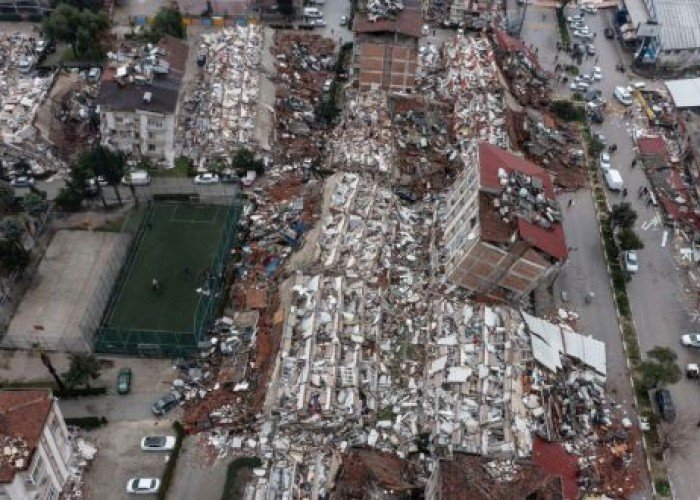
(160, 185)
(656, 292)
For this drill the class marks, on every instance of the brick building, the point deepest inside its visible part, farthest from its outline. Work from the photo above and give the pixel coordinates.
(502, 231)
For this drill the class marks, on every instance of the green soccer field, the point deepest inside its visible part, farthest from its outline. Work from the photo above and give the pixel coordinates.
(177, 247)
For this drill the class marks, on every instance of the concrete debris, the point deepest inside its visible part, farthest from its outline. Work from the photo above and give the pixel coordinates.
(220, 112)
(83, 453)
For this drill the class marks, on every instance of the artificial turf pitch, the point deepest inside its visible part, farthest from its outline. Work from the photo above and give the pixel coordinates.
(178, 244)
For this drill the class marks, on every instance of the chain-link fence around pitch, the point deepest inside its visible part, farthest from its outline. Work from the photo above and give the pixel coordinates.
(172, 283)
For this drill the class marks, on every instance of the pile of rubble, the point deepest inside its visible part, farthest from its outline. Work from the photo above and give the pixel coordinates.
(382, 9)
(83, 453)
(15, 453)
(304, 66)
(220, 112)
(22, 91)
(425, 156)
(364, 140)
(528, 81)
(554, 144)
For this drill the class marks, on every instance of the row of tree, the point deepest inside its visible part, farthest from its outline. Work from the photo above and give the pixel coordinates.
(623, 217)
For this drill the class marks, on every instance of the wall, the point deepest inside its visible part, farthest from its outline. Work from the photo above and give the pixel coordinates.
(680, 58)
(134, 132)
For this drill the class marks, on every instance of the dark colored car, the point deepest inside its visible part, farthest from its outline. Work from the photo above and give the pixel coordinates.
(124, 381)
(609, 33)
(666, 407)
(165, 404)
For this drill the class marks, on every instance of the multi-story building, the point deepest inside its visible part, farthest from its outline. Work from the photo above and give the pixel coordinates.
(139, 101)
(502, 226)
(385, 51)
(34, 465)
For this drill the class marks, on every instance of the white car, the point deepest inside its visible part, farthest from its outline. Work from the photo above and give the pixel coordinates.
(344, 20)
(206, 178)
(629, 259)
(590, 9)
(158, 443)
(320, 22)
(143, 485)
(623, 95)
(605, 164)
(426, 30)
(597, 74)
(691, 340)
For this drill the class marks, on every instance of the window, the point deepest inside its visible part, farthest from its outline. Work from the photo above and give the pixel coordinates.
(37, 470)
(155, 123)
(151, 147)
(52, 494)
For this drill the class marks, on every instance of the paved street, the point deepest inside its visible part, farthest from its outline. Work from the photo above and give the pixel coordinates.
(658, 305)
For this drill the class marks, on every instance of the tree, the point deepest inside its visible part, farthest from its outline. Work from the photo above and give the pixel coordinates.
(46, 361)
(83, 368)
(72, 194)
(69, 199)
(245, 160)
(35, 204)
(7, 196)
(12, 230)
(168, 21)
(106, 163)
(660, 368)
(82, 29)
(622, 215)
(628, 240)
(676, 437)
(81, 4)
(13, 258)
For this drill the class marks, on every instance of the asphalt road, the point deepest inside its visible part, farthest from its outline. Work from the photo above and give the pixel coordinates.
(161, 185)
(658, 303)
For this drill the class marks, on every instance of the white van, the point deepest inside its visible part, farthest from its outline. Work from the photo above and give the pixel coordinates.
(614, 180)
(312, 12)
(137, 178)
(623, 95)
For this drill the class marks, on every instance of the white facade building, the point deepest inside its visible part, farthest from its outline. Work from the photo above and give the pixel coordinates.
(38, 470)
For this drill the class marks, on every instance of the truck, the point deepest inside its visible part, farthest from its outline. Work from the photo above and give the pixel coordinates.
(613, 179)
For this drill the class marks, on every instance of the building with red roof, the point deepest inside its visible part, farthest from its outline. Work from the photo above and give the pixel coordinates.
(503, 233)
(37, 450)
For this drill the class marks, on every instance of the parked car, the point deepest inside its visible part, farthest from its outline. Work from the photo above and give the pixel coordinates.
(320, 22)
(143, 485)
(158, 443)
(22, 181)
(425, 30)
(589, 9)
(665, 404)
(590, 49)
(206, 178)
(124, 380)
(597, 74)
(691, 340)
(609, 33)
(623, 95)
(165, 403)
(604, 161)
(630, 261)
(344, 20)
(228, 176)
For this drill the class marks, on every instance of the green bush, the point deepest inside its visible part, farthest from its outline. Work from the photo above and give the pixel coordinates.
(234, 467)
(567, 110)
(663, 488)
(169, 471)
(87, 423)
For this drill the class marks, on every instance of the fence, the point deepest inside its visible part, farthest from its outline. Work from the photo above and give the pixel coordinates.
(161, 343)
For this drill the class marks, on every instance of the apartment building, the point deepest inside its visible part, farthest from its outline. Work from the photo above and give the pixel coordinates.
(35, 463)
(139, 101)
(502, 225)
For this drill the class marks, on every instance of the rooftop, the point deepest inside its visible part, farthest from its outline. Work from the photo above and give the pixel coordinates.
(145, 80)
(511, 44)
(364, 468)
(407, 23)
(652, 146)
(680, 23)
(522, 195)
(22, 417)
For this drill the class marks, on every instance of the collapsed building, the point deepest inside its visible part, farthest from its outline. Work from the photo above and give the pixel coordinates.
(503, 233)
(138, 99)
(224, 109)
